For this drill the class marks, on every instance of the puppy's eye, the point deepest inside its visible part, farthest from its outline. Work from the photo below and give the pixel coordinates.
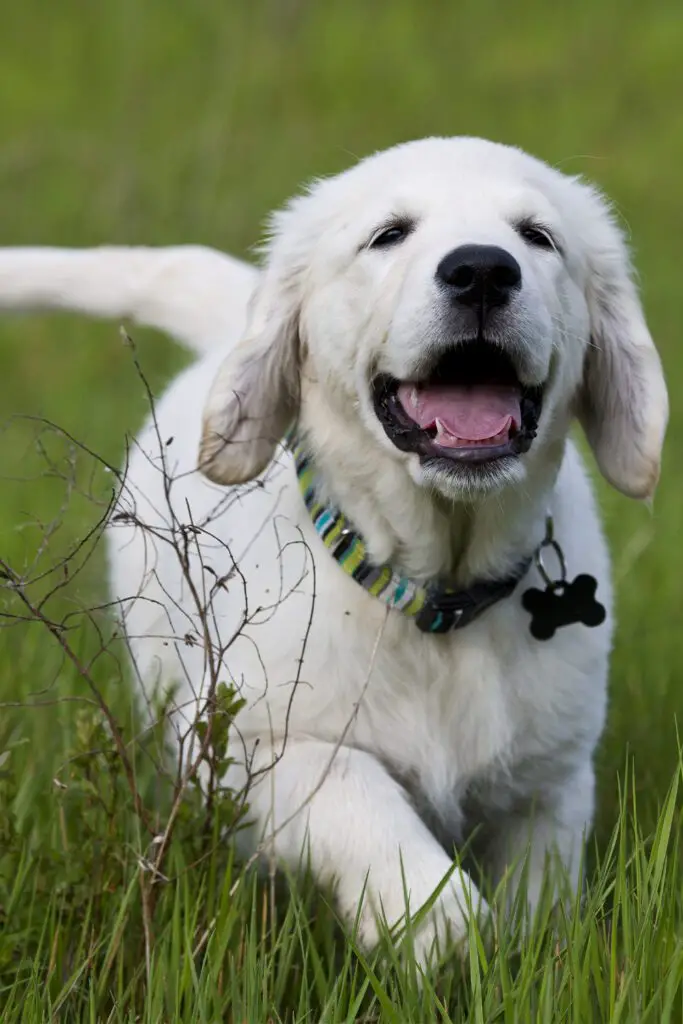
(537, 236)
(389, 236)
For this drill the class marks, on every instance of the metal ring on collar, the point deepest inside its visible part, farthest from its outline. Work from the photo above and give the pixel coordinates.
(550, 542)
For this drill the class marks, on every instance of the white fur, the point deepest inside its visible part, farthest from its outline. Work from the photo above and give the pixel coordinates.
(389, 745)
(185, 290)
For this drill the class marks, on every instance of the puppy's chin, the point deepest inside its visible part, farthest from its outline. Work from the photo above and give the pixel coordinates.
(462, 482)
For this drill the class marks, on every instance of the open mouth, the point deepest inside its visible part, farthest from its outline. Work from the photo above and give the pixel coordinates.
(470, 408)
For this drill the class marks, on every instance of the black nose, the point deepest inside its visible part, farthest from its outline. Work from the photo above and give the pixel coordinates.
(480, 275)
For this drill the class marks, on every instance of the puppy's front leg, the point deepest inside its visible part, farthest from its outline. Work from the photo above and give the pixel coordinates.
(551, 835)
(342, 810)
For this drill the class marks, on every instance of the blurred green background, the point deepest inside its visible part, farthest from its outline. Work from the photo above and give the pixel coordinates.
(161, 121)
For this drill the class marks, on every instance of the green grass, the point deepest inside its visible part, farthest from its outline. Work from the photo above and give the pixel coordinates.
(169, 121)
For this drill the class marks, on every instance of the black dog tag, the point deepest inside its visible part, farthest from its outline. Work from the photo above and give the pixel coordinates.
(563, 602)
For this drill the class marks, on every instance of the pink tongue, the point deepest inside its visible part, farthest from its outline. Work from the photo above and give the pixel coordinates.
(462, 415)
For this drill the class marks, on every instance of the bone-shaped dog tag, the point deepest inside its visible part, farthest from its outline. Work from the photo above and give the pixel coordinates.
(563, 602)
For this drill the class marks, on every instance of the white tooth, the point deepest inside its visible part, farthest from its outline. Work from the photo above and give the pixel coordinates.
(441, 430)
(413, 398)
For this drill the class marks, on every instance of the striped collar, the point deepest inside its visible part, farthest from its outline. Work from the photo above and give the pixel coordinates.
(435, 607)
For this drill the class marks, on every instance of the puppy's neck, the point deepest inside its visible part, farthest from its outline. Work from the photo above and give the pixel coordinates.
(417, 530)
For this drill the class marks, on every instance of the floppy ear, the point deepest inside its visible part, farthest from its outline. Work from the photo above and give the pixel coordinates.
(623, 405)
(255, 393)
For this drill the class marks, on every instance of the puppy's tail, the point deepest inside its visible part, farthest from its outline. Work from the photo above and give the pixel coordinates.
(197, 295)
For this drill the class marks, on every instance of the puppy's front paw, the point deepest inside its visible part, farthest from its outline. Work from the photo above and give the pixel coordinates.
(435, 921)
(445, 926)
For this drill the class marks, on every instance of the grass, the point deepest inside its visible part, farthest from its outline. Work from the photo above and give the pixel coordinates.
(167, 121)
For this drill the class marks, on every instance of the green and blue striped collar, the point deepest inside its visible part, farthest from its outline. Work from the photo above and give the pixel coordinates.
(435, 607)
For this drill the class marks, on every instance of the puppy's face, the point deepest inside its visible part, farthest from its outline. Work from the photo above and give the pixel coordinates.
(446, 294)
(444, 305)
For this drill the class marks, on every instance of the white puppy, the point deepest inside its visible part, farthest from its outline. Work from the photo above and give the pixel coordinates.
(433, 319)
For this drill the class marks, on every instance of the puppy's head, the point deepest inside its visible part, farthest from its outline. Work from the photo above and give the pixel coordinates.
(452, 303)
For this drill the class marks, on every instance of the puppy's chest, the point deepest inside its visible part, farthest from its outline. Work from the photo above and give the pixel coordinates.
(457, 715)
